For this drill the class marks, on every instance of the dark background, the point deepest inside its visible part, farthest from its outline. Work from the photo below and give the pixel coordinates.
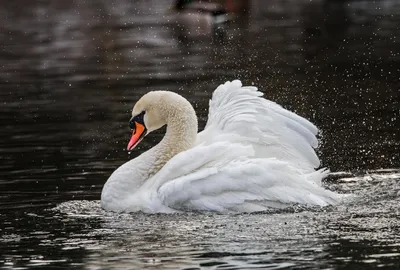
(71, 71)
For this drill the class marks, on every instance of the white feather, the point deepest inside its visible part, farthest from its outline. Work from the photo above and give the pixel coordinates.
(272, 130)
(252, 155)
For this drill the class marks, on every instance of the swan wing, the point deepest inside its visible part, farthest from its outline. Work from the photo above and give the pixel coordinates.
(240, 114)
(225, 177)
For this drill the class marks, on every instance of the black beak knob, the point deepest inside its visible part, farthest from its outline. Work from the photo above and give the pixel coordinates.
(137, 118)
(132, 124)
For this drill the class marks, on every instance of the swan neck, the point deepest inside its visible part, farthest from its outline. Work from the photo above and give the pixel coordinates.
(180, 135)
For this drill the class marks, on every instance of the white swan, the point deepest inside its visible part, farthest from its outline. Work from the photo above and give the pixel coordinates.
(252, 155)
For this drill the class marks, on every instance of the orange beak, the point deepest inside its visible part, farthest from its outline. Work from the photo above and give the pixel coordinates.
(137, 135)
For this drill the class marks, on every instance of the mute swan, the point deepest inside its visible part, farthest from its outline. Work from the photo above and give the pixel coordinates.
(251, 156)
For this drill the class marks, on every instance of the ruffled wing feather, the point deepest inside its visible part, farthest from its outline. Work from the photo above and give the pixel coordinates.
(241, 112)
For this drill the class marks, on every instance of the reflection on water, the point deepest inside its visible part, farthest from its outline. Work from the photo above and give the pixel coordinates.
(71, 71)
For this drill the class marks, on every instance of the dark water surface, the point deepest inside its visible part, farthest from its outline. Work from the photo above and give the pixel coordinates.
(71, 71)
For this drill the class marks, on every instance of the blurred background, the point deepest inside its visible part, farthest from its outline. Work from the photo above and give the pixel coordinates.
(71, 71)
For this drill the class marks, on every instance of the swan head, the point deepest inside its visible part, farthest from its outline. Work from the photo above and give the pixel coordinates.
(154, 110)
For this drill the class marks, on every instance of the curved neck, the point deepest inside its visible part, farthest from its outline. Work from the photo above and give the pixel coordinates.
(180, 136)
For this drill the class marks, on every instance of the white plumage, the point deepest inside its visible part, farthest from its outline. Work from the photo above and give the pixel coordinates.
(252, 155)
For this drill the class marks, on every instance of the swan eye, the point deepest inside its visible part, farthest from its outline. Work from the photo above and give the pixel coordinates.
(137, 118)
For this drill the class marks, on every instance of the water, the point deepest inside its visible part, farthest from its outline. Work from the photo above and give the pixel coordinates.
(71, 71)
